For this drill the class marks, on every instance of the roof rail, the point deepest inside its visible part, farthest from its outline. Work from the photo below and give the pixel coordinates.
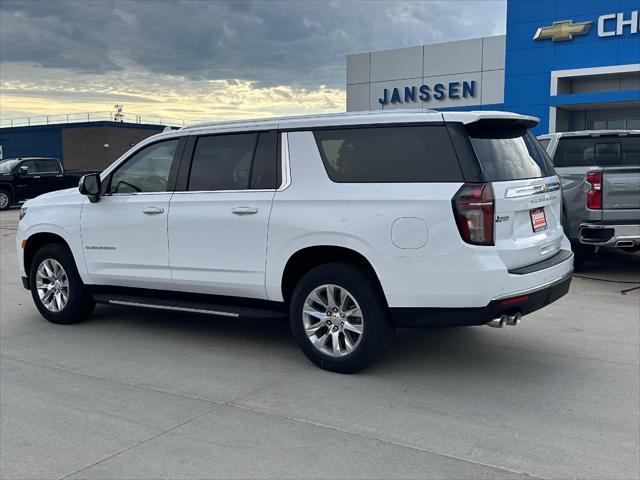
(303, 117)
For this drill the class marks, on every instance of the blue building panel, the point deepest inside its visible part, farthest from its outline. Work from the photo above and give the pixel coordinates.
(529, 63)
(38, 141)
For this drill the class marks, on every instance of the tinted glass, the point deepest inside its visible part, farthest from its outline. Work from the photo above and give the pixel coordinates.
(509, 154)
(146, 171)
(265, 164)
(222, 162)
(597, 151)
(47, 166)
(30, 164)
(389, 154)
(545, 143)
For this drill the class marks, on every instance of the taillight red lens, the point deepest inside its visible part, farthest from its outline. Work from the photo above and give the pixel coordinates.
(474, 207)
(594, 196)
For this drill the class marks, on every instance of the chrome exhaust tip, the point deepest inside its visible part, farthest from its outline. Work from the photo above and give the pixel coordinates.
(625, 243)
(514, 320)
(498, 322)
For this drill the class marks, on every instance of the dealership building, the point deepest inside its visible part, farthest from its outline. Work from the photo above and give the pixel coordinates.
(573, 64)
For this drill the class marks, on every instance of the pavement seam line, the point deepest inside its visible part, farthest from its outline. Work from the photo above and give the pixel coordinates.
(153, 437)
(110, 379)
(382, 440)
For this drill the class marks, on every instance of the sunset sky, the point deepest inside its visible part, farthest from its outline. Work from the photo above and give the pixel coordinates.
(208, 60)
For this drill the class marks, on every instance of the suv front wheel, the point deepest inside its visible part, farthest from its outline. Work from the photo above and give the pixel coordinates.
(56, 287)
(339, 318)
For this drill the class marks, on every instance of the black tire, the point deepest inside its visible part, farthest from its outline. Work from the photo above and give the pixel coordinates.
(378, 330)
(6, 199)
(80, 304)
(580, 254)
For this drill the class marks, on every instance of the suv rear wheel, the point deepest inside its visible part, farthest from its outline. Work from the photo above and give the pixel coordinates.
(339, 318)
(56, 287)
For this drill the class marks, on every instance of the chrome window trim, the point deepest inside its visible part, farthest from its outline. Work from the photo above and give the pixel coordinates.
(285, 162)
(248, 190)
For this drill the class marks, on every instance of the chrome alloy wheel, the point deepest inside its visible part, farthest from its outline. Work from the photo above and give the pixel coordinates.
(4, 200)
(332, 320)
(52, 284)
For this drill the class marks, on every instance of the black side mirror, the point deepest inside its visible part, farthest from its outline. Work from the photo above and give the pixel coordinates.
(90, 186)
(23, 170)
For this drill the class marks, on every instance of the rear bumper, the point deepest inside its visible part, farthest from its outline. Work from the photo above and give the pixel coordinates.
(525, 302)
(609, 235)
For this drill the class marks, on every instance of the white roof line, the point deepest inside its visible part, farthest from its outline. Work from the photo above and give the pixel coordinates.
(307, 117)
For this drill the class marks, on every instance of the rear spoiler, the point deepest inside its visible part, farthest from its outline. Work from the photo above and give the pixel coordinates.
(496, 119)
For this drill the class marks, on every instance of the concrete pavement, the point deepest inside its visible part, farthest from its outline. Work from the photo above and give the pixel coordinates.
(141, 394)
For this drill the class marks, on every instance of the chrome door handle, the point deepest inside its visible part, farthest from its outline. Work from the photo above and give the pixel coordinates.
(244, 210)
(153, 210)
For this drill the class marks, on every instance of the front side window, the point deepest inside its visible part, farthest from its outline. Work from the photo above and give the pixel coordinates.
(29, 165)
(389, 154)
(222, 162)
(146, 171)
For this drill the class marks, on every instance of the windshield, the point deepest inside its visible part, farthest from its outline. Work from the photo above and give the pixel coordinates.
(7, 165)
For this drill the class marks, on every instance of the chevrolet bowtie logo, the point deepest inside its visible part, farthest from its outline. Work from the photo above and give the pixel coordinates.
(562, 31)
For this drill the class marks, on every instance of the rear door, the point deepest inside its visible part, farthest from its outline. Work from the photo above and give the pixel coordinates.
(218, 221)
(50, 173)
(526, 190)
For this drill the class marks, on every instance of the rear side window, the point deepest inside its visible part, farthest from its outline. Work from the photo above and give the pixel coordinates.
(389, 154)
(265, 163)
(597, 151)
(222, 162)
(47, 165)
(508, 153)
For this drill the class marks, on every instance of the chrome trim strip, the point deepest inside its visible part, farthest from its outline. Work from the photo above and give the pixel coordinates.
(539, 287)
(528, 190)
(177, 309)
(286, 165)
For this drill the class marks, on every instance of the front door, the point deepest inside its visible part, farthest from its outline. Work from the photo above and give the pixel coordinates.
(124, 235)
(218, 224)
(30, 184)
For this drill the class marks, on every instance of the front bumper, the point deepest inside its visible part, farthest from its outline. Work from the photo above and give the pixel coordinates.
(609, 235)
(525, 302)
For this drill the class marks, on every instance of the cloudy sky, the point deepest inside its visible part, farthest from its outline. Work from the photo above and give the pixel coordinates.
(197, 60)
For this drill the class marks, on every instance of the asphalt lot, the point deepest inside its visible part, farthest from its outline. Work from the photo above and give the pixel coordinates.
(139, 394)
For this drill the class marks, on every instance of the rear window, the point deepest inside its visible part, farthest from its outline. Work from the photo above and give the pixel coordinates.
(544, 142)
(597, 151)
(509, 153)
(389, 154)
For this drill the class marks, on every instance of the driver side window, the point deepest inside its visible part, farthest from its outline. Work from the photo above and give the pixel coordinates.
(146, 171)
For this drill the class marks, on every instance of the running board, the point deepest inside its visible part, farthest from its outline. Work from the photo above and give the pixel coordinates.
(232, 311)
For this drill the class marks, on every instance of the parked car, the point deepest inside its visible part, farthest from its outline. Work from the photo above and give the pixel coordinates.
(24, 178)
(352, 224)
(600, 175)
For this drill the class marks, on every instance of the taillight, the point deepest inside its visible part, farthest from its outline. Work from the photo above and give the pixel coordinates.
(594, 196)
(473, 207)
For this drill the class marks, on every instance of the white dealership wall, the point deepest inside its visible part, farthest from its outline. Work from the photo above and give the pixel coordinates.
(480, 60)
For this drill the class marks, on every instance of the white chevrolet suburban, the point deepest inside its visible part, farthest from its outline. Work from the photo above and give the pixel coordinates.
(350, 224)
